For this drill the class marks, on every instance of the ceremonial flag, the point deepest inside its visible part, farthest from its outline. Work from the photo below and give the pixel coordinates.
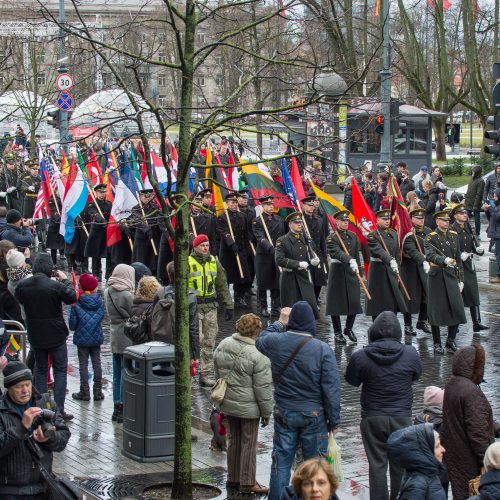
(400, 218)
(288, 185)
(219, 190)
(134, 167)
(73, 205)
(125, 200)
(261, 185)
(208, 163)
(94, 169)
(297, 179)
(365, 218)
(331, 206)
(44, 192)
(65, 164)
(13, 346)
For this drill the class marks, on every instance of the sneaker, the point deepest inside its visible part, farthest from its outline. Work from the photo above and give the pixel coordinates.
(67, 416)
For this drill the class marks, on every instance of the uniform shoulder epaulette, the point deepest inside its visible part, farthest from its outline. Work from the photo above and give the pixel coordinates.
(452, 232)
(433, 233)
(281, 238)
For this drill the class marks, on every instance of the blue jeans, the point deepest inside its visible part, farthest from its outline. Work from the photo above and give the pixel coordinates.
(118, 378)
(59, 357)
(477, 220)
(497, 254)
(292, 428)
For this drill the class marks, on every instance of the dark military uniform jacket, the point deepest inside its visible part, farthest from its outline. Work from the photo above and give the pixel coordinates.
(343, 296)
(10, 178)
(383, 283)
(470, 293)
(227, 255)
(412, 272)
(205, 223)
(318, 231)
(144, 230)
(96, 243)
(444, 305)
(29, 195)
(265, 266)
(54, 239)
(295, 283)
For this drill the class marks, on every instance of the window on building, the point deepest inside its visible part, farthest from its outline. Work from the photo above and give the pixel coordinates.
(372, 141)
(162, 57)
(218, 59)
(162, 37)
(200, 37)
(201, 81)
(41, 79)
(162, 80)
(144, 38)
(143, 79)
(200, 100)
(219, 80)
(40, 57)
(417, 141)
(107, 80)
(219, 100)
(356, 141)
(162, 100)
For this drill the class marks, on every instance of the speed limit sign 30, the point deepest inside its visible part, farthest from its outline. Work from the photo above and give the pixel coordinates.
(64, 81)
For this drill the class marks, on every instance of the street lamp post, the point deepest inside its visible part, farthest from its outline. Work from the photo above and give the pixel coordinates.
(385, 90)
(63, 130)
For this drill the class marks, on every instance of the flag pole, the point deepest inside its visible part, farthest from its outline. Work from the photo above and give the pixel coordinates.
(193, 226)
(266, 230)
(147, 224)
(238, 261)
(361, 282)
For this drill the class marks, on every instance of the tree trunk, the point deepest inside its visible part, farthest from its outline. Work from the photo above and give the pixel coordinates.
(182, 484)
(438, 124)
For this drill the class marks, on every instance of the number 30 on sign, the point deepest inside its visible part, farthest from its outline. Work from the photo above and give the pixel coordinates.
(64, 81)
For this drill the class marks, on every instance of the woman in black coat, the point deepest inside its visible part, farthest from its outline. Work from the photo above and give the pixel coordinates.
(493, 215)
(55, 241)
(433, 200)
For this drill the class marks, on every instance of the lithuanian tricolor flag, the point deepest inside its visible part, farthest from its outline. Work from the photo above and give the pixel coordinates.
(13, 346)
(261, 185)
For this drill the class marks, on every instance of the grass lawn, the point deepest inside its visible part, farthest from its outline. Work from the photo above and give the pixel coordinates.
(456, 181)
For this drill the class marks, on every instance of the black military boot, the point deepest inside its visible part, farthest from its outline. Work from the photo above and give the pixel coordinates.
(337, 331)
(119, 415)
(115, 412)
(436, 337)
(349, 323)
(450, 341)
(423, 326)
(84, 394)
(98, 394)
(408, 327)
(476, 322)
(263, 310)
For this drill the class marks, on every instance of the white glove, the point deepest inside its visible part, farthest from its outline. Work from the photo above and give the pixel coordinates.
(32, 189)
(10, 189)
(315, 261)
(426, 267)
(303, 264)
(480, 250)
(394, 266)
(354, 266)
(3, 194)
(448, 262)
(461, 286)
(464, 256)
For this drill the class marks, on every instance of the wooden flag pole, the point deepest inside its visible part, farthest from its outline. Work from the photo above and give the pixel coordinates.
(238, 261)
(147, 224)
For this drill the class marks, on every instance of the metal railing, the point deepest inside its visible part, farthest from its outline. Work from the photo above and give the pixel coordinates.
(21, 332)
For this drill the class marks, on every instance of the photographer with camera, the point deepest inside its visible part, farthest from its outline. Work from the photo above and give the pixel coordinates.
(18, 230)
(28, 421)
(43, 299)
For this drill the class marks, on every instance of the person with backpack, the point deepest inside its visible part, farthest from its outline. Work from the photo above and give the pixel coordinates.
(207, 279)
(163, 316)
(85, 319)
(144, 300)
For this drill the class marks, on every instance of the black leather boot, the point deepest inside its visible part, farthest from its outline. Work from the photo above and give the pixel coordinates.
(450, 341)
(115, 412)
(83, 394)
(408, 327)
(348, 332)
(436, 337)
(337, 331)
(476, 322)
(98, 394)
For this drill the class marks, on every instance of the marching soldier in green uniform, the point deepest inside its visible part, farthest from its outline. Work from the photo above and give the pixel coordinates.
(445, 306)
(414, 269)
(468, 248)
(9, 179)
(293, 256)
(28, 187)
(343, 296)
(383, 272)
(266, 270)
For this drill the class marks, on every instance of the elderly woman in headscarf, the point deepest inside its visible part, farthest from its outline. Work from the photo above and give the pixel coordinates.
(119, 296)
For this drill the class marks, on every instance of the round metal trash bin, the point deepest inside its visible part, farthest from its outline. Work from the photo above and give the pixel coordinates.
(149, 402)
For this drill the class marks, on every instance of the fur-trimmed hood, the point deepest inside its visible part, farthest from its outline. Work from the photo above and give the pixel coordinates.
(469, 362)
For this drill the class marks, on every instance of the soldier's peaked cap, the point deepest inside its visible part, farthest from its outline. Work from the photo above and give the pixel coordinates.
(293, 217)
(383, 213)
(266, 199)
(342, 215)
(443, 214)
(417, 212)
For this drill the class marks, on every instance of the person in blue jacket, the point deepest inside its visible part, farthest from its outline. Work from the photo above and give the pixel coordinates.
(86, 320)
(489, 484)
(419, 451)
(306, 390)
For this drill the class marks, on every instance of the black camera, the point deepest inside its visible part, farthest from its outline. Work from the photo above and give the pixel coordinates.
(46, 420)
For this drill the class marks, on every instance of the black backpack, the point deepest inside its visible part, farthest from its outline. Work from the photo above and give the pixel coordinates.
(163, 317)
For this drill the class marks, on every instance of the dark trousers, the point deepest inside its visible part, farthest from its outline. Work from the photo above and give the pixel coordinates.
(94, 353)
(375, 431)
(53, 254)
(477, 220)
(262, 295)
(59, 356)
(497, 254)
(242, 451)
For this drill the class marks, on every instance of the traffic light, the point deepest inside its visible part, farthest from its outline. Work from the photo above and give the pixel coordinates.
(493, 135)
(54, 118)
(379, 120)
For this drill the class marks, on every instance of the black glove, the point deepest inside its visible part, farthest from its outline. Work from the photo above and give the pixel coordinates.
(264, 421)
(149, 234)
(228, 314)
(270, 250)
(234, 247)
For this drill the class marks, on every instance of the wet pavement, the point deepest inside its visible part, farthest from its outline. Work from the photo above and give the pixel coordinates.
(94, 450)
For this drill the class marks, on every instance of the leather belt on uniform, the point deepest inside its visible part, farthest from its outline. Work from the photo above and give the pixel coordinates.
(375, 259)
(31, 195)
(287, 270)
(206, 300)
(434, 265)
(336, 261)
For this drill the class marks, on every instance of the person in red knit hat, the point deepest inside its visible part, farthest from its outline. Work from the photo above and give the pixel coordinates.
(86, 320)
(207, 279)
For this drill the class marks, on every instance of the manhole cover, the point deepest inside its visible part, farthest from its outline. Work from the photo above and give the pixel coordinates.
(112, 487)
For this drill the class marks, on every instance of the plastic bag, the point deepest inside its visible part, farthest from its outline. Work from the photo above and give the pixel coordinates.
(334, 457)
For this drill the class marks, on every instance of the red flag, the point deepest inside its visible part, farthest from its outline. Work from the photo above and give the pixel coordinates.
(400, 218)
(230, 170)
(433, 4)
(297, 180)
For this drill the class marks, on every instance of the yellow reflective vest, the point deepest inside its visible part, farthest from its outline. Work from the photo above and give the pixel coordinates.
(201, 277)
